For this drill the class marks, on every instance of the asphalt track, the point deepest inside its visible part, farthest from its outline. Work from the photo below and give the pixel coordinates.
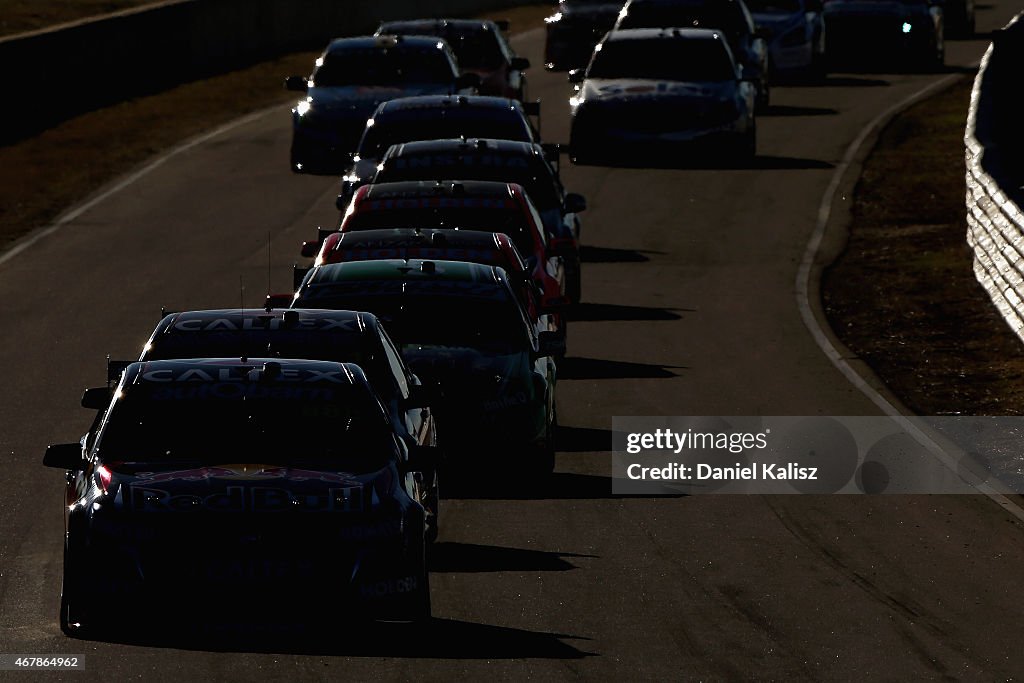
(690, 309)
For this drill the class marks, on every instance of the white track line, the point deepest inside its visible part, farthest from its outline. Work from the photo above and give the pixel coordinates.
(811, 321)
(128, 180)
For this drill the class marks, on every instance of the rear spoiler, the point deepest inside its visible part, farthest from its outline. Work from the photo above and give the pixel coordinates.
(311, 249)
(533, 109)
(115, 368)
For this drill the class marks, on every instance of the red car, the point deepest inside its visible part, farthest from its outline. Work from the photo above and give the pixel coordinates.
(468, 205)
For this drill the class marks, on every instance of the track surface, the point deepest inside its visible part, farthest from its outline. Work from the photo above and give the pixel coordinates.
(689, 310)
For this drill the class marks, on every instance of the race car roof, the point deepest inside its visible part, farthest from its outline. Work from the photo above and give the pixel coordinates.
(466, 147)
(390, 238)
(409, 189)
(412, 25)
(663, 34)
(424, 103)
(406, 270)
(385, 42)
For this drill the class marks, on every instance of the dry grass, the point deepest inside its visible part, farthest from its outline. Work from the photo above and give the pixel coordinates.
(17, 16)
(43, 176)
(903, 296)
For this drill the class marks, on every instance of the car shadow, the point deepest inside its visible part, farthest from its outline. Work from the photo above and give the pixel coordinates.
(684, 162)
(848, 81)
(583, 439)
(587, 312)
(789, 110)
(590, 254)
(471, 558)
(557, 486)
(299, 634)
(573, 367)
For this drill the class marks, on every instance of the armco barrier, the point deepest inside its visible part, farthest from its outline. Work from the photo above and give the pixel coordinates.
(53, 74)
(994, 143)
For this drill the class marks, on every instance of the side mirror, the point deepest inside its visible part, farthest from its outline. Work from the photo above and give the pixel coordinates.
(520, 63)
(550, 344)
(97, 398)
(421, 459)
(421, 396)
(552, 151)
(555, 304)
(561, 246)
(576, 76)
(467, 80)
(116, 367)
(278, 301)
(64, 456)
(296, 83)
(575, 203)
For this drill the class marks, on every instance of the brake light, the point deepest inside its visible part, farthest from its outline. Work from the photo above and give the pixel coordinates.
(104, 477)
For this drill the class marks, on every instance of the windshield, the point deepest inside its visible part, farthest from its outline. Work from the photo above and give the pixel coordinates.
(383, 66)
(435, 313)
(501, 218)
(669, 60)
(430, 124)
(338, 428)
(724, 16)
(774, 6)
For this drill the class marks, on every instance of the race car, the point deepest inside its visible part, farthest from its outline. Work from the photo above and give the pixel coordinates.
(730, 17)
(460, 326)
(795, 33)
(468, 205)
(901, 33)
(574, 29)
(505, 161)
(352, 77)
(650, 91)
(480, 47)
(539, 291)
(212, 483)
(435, 117)
(332, 335)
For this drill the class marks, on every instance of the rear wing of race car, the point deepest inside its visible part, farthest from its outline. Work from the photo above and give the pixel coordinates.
(533, 109)
(115, 368)
(311, 249)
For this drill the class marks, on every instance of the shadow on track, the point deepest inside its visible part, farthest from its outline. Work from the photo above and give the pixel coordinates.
(847, 81)
(597, 368)
(436, 639)
(449, 557)
(583, 439)
(684, 162)
(589, 254)
(787, 110)
(586, 312)
(558, 486)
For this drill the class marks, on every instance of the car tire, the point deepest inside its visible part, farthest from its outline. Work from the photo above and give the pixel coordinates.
(77, 618)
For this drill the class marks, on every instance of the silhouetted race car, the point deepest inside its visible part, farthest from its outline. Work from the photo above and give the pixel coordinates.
(795, 33)
(331, 335)
(476, 205)
(647, 91)
(212, 483)
(460, 326)
(574, 29)
(885, 33)
(538, 290)
(505, 161)
(480, 47)
(730, 17)
(352, 77)
(433, 118)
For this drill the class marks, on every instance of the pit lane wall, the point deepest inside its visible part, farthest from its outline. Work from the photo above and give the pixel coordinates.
(57, 73)
(994, 142)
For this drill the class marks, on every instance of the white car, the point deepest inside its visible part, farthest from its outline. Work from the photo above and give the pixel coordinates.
(795, 33)
(650, 90)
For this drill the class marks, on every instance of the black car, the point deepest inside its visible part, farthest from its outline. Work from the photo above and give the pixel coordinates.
(480, 47)
(505, 161)
(212, 484)
(353, 76)
(435, 117)
(574, 29)
(461, 327)
(731, 17)
(885, 34)
(332, 335)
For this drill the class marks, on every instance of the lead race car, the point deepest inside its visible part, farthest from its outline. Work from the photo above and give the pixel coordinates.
(213, 482)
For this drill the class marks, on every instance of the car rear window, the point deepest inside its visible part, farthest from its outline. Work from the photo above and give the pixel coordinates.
(440, 124)
(675, 59)
(383, 66)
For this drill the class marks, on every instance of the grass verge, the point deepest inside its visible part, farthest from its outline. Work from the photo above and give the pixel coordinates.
(903, 295)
